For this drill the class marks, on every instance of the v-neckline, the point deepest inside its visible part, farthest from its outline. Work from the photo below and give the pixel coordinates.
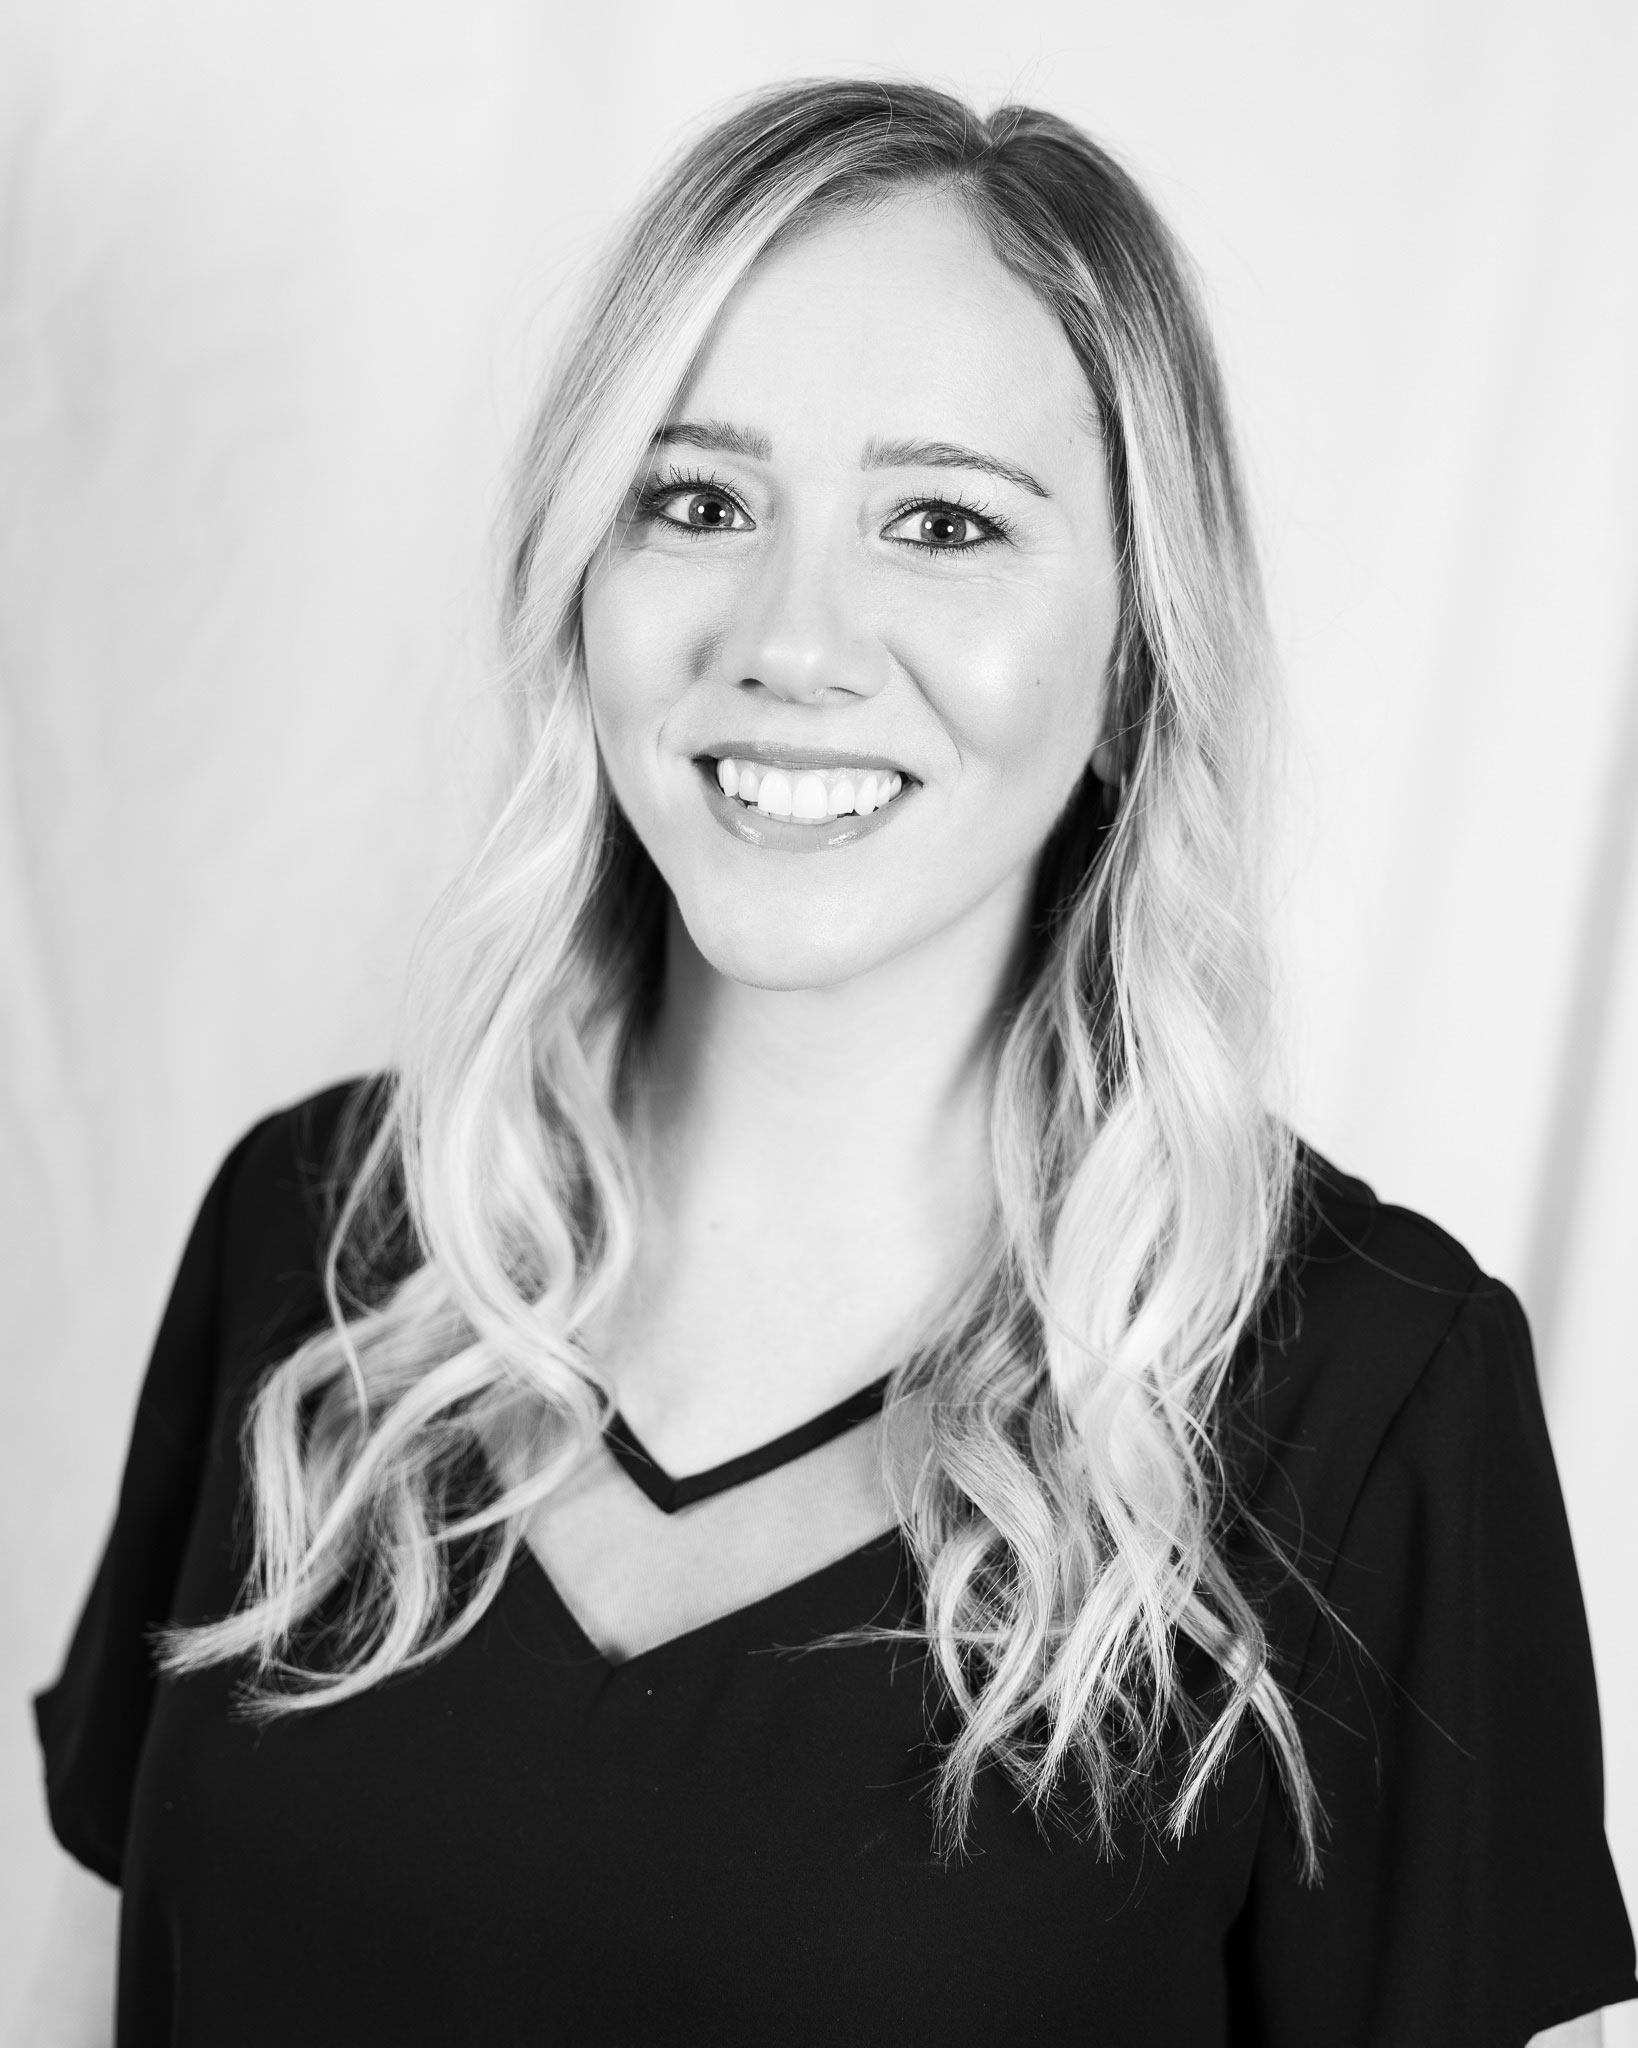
(699, 1635)
(669, 1494)
(634, 1574)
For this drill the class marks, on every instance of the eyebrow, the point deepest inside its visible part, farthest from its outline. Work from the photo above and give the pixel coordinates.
(717, 437)
(948, 455)
(721, 437)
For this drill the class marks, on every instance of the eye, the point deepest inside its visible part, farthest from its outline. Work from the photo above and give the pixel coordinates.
(695, 505)
(940, 528)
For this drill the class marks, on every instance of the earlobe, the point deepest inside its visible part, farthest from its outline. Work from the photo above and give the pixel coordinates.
(1111, 779)
(1106, 766)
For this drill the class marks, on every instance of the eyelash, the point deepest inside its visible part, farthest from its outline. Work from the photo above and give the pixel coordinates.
(655, 492)
(998, 527)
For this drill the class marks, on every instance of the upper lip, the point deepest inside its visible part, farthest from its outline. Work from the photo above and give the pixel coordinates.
(781, 754)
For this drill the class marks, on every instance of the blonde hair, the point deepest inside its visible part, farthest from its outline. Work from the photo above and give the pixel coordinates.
(1071, 1513)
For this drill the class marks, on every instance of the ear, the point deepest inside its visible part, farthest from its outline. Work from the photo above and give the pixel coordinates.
(1105, 765)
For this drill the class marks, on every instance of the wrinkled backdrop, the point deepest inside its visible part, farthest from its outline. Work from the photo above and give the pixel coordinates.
(274, 283)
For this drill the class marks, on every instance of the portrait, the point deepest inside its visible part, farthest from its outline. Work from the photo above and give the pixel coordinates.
(824, 987)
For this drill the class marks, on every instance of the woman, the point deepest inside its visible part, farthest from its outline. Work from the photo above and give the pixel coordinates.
(832, 1472)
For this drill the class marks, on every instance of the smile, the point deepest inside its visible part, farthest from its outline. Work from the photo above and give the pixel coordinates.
(810, 795)
(797, 808)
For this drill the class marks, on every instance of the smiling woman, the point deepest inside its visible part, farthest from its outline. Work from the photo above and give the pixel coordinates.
(829, 565)
(831, 1471)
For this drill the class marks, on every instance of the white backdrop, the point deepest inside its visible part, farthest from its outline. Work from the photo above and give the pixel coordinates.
(275, 282)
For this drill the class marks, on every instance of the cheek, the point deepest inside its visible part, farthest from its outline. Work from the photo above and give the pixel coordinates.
(643, 646)
(1020, 689)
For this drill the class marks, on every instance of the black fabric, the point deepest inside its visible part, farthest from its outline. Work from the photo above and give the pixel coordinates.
(645, 1470)
(727, 1839)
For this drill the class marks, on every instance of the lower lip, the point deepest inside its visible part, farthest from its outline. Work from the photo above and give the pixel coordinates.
(789, 835)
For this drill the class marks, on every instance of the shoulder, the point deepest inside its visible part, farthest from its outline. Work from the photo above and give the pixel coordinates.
(1369, 1296)
(279, 1191)
(1431, 1643)
(1382, 1334)
(1350, 1249)
(298, 1149)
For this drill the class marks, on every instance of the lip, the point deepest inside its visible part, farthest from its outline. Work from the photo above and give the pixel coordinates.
(785, 835)
(782, 754)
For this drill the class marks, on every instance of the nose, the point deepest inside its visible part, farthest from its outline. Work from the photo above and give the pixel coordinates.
(798, 631)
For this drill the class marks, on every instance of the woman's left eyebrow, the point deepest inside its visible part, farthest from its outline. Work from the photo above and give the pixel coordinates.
(946, 455)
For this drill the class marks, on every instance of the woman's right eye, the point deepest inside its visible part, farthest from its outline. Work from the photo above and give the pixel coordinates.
(695, 508)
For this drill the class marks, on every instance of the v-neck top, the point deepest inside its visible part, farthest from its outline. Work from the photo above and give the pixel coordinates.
(669, 1494)
(727, 1839)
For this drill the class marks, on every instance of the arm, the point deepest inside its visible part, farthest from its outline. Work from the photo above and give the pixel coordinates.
(1450, 1718)
(1586, 2032)
(69, 2002)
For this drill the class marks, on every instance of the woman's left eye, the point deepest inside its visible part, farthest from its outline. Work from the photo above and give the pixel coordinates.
(941, 529)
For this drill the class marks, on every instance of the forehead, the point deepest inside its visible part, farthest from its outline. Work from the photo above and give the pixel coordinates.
(898, 320)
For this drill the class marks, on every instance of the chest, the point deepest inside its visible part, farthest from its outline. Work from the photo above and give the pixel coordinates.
(728, 1839)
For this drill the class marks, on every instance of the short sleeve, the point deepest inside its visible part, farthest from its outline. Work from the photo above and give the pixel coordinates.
(1450, 1719)
(92, 1721)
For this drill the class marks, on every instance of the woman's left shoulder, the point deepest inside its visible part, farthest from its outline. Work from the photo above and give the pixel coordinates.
(1381, 1330)
(1369, 1297)
(1424, 1617)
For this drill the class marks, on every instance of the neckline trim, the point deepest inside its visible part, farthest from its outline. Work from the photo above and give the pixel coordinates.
(669, 1494)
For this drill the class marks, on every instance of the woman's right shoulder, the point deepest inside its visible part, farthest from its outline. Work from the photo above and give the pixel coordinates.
(276, 1197)
(304, 1144)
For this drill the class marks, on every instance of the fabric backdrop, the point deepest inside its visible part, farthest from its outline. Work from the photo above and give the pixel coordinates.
(275, 284)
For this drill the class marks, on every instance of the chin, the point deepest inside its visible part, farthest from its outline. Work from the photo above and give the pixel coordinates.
(778, 950)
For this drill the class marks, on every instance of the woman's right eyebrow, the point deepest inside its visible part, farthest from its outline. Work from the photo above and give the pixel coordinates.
(721, 437)
(717, 437)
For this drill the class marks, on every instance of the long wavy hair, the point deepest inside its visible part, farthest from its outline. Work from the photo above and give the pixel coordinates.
(1070, 1515)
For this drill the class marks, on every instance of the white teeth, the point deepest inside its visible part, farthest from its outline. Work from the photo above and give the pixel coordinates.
(774, 794)
(810, 801)
(809, 795)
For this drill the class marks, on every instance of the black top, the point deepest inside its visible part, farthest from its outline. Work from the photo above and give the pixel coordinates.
(723, 1841)
(670, 1494)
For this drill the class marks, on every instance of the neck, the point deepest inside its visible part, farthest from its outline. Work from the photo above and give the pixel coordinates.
(814, 1165)
(887, 1072)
